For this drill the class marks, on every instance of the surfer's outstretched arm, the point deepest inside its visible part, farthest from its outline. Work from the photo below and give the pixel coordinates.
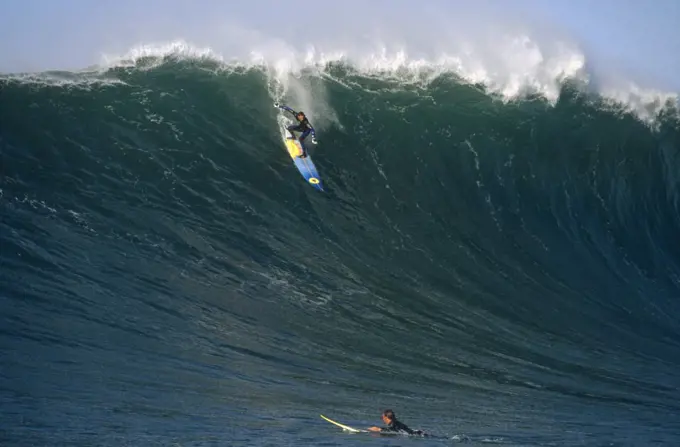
(286, 108)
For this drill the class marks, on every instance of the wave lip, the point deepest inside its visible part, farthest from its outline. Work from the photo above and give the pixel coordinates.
(154, 54)
(511, 69)
(519, 65)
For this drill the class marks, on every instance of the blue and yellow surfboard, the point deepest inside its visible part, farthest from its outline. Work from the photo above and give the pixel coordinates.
(304, 165)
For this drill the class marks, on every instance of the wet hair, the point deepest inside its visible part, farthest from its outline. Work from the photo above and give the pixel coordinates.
(389, 414)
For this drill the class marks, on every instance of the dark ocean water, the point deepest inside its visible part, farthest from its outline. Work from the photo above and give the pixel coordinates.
(496, 273)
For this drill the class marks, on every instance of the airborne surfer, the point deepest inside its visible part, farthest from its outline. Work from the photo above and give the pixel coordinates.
(303, 126)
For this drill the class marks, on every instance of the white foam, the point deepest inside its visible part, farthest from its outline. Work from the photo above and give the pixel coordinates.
(80, 80)
(153, 54)
(502, 45)
(645, 102)
(509, 67)
(481, 45)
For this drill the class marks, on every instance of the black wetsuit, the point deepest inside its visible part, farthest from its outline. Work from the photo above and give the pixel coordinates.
(303, 126)
(398, 427)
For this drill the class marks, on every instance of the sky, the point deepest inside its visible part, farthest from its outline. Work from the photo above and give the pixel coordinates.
(637, 37)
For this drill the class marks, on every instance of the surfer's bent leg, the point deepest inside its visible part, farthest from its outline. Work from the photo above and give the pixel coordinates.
(304, 135)
(302, 142)
(291, 128)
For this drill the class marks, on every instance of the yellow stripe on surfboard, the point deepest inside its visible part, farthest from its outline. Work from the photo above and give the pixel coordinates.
(294, 149)
(344, 427)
